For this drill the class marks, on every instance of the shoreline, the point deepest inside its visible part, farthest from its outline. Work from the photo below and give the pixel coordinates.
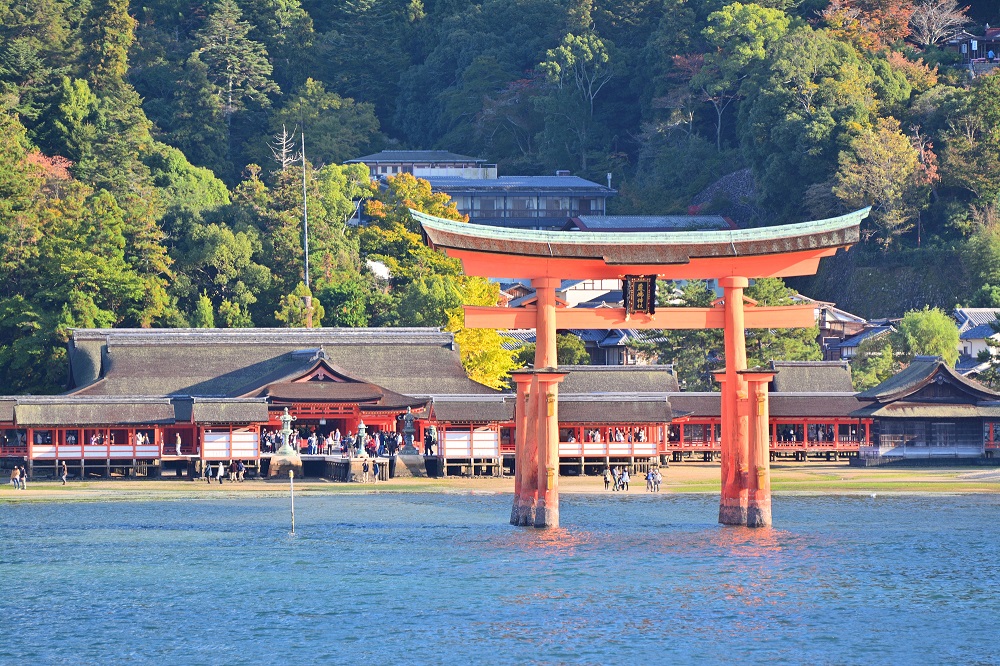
(685, 478)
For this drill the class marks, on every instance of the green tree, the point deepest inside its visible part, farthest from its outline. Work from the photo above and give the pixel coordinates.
(336, 128)
(221, 264)
(696, 353)
(873, 363)
(26, 80)
(577, 71)
(988, 296)
(929, 332)
(971, 156)
(286, 31)
(570, 350)
(784, 344)
(204, 314)
(426, 301)
(236, 66)
(110, 31)
(346, 303)
(801, 104)
(293, 311)
(741, 35)
(234, 315)
(72, 123)
(882, 169)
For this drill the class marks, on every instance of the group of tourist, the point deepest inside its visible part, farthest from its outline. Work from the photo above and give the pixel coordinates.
(617, 435)
(375, 444)
(375, 470)
(235, 470)
(19, 478)
(616, 478)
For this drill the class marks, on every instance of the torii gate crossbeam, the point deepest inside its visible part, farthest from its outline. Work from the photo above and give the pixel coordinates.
(732, 256)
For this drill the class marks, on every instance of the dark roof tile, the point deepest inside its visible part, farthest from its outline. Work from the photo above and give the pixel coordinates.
(918, 374)
(233, 362)
(811, 376)
(65, 410)
(618, 379)
(244, 410)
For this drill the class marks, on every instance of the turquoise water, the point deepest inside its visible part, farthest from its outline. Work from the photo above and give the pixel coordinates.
(442, 579)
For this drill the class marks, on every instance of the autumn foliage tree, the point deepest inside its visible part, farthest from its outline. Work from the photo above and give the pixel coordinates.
(869, 24)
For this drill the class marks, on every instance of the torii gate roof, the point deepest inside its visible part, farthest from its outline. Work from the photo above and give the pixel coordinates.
(778, 251)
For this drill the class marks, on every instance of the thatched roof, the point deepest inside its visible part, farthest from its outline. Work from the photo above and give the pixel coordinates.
(811, 376)
(33, 411)
(618, 379)
(235, 362)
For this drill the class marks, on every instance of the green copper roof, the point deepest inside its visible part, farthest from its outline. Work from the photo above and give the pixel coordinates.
(643, 247)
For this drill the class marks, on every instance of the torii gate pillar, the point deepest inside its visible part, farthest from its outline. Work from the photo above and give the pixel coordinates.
(759, 459)
(735, 422)
(536, 414)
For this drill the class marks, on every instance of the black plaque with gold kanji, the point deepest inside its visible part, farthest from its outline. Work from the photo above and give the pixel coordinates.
(639, 293)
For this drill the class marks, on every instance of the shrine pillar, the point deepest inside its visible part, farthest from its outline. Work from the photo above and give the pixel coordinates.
(546, 404)
(527, 501)
(523, 495)
(546, 399)
(545, 322)
(735, 420)
(759, 481)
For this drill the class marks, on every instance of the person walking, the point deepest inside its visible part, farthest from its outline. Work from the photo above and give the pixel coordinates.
(375, 470)
(221, 473)
(206, 470)
(64, 472)
(657, 480)
(625, 479)
(241, 470)
(15, 477)
(607, 478)
(615, 479)
(364, 472)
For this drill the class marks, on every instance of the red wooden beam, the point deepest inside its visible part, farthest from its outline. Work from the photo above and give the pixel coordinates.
(788, 264)
(787, 316)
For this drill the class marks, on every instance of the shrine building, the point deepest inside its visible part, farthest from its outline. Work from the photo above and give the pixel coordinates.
(136, 394)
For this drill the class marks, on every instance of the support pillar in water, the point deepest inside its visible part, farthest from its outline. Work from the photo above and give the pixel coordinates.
(523, 496)
(759, 481)
(735, 419)
(547, 400)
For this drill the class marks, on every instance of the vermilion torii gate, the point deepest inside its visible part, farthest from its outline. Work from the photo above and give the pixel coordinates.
(732, 256)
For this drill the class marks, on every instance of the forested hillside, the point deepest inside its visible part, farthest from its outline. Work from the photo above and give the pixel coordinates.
(144, 181)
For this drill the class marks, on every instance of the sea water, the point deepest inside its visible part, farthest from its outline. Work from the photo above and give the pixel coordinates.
(444, 579)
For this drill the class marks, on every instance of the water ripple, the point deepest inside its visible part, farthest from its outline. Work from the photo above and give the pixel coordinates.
(444, 579)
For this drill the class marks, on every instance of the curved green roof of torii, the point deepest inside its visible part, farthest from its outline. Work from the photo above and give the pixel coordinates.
(643, 247)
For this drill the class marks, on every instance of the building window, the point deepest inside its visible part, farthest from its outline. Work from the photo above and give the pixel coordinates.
(487, 206)
(522, 206)
(555, 206)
